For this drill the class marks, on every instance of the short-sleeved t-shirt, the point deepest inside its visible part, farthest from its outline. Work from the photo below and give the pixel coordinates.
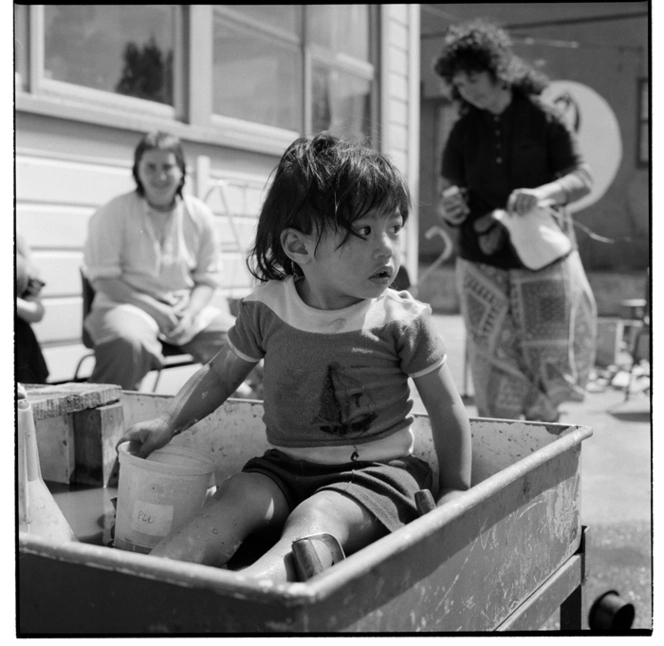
(525, 146)
(335, 377)
(122, 243)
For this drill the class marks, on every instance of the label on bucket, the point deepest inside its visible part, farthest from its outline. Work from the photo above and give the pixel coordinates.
(151, 519)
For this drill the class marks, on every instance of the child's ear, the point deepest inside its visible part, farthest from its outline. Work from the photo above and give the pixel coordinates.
(296, 246)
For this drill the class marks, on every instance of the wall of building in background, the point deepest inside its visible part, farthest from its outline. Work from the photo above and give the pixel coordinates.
(602, 51)
(76, 129)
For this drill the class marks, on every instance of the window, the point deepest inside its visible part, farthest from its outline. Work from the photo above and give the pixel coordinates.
(301, 68)
(643, 158)
(257, 65)
(262, 72)
(124, 49)
(21, 45)
(342, 76)
(340, 103)
(340, 28)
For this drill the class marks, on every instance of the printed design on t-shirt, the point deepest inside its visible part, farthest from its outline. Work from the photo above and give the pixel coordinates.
(345, 406)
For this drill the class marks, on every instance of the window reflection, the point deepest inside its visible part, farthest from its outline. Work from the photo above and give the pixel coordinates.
(340, 28)
(340, 103)
(256, 78)
(21, 43)
(126, 49)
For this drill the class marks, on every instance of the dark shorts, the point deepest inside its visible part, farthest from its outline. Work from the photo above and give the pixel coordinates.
(386, 489)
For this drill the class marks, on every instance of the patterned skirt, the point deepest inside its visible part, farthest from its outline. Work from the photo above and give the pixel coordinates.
(531, 336)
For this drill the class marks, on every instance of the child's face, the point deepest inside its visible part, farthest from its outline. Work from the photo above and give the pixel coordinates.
(362, 268)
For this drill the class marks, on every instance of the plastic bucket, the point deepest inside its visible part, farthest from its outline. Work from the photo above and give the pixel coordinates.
(158, 493)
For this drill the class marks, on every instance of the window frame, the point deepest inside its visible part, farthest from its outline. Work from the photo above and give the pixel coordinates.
(192, 115)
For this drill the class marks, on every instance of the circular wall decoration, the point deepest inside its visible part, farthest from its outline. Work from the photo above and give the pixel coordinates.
(596, 127)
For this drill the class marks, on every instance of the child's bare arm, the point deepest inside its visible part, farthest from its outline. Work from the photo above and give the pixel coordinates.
(201, 395)
(450, 428)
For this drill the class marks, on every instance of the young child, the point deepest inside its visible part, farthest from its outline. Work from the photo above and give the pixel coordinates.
(338, 347)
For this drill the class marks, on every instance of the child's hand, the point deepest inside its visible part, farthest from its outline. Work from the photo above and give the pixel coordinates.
(146, 437)
(450, 429)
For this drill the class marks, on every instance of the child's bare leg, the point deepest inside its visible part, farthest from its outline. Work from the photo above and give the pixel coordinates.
(326, 511)
(242, 504)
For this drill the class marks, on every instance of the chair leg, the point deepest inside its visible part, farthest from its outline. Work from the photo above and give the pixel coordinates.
(628, 387)
(156, 381)
(80, 363)
(636, 360)
(466, 369)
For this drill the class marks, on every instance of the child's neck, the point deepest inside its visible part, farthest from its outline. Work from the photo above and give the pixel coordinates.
(320, 300)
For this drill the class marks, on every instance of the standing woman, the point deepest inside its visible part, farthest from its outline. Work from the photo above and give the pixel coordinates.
(152, 258)
(531, 334)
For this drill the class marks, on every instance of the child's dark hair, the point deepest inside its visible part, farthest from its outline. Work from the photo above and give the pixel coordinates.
(322, 184)
(479, 46)
(159, 141)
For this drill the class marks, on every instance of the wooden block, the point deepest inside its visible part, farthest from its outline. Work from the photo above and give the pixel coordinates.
(54, 400)
(96, 433)
(56, 447)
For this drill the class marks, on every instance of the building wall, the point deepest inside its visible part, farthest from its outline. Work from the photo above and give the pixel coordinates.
(611, 57)
(400, 108)
(71, 158)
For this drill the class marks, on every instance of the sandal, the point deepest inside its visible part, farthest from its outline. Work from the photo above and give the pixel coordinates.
(315, 553)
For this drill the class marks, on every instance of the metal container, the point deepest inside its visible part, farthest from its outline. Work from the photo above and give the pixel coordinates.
(504, 555)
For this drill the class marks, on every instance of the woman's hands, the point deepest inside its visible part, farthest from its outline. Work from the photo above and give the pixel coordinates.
(28, 305)
(30, 309)
(184, 319)
(165, 316)
(185, 312)
(452, 206)
(523, 200)
(146, 437)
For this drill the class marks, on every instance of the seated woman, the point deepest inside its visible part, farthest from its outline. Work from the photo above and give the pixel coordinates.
(152, 258)
(29, 363)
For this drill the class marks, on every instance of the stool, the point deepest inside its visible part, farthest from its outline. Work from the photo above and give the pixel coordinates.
(637, 322)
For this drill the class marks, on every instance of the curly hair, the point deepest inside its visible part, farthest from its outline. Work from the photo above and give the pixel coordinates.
(479, 46)
(322, 184)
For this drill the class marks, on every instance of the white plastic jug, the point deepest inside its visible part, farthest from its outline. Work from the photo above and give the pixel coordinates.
(158, 493)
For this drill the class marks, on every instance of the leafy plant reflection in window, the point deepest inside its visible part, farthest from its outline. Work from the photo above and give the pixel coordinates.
(147, 73)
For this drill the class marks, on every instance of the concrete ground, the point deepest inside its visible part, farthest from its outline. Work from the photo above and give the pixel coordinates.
(616, 478)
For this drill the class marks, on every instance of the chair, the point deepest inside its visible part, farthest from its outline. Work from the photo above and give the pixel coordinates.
(638, 315)
(175, 356)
